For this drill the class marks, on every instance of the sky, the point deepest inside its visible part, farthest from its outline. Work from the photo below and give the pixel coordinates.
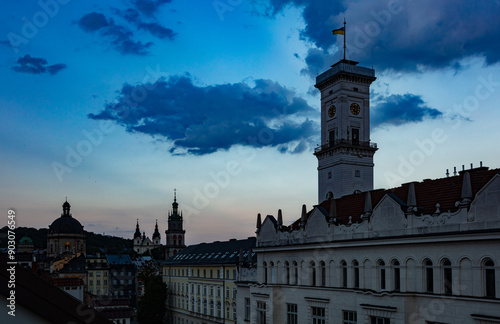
(115, 104)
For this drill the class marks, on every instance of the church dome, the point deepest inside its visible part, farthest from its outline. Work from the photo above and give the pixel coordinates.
(66, 224)
(25, 240)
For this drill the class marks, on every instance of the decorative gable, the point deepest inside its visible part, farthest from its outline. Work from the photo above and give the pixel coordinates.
(388, 217)
(317, 226)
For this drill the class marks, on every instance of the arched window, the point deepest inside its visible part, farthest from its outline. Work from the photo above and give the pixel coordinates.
(312, 270)
(343, 265)
(211, 307)
(355, 273)
(396, 275)
(219, 309)
(447, 278)
(295, 273)
(287, 273)
(205, 307)
(273, 272)
(323, 273)
(264, 265)
(489, 279)
(192, 304)
(198, 304)
(381, 274)
(429, 277)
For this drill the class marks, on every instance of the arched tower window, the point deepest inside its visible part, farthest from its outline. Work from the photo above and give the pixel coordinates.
(343, 266)
(447, 278)
(489, 279)
(396, 275)
(429, 276)
(381, 274)
(355, 270)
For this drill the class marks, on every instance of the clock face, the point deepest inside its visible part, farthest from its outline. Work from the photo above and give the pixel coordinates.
(332, 110)
(355, 109)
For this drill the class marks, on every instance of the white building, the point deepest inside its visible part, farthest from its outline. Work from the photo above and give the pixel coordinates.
(426, 252)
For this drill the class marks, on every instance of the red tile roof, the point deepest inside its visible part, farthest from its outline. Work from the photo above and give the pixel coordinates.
(445, 191)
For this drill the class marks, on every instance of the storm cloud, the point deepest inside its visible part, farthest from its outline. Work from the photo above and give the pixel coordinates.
(205, 119)
(402, 35)
(397, 110)
(36, 65)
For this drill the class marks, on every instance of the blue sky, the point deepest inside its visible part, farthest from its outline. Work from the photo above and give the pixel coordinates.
(115, 104)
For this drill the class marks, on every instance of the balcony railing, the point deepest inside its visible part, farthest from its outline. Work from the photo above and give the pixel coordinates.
(346, 143)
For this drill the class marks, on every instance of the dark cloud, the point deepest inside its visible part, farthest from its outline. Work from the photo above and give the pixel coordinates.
(204, 119)
(404, 35)
(121, 37)
(149, 7)
(401, 109)
(93, 21)
(36, 65)
(154, 28)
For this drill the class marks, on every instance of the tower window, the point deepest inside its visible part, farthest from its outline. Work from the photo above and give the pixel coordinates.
(331, 137)
(330, 92)
(355, 89)
(357, 173)
(329, 195)
(355, 136)
(329, 175)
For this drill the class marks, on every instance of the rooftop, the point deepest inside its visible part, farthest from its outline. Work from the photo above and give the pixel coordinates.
(227, 252)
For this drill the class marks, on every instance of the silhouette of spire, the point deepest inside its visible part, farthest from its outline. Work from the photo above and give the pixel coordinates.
(156, 234)
(137, 230)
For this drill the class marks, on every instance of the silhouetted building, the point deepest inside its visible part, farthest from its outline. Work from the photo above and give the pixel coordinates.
(65, 234)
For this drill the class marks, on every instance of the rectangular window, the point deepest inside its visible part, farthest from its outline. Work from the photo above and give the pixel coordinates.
(211, 273)
(211, 291)
(331, 137)
(292, 315)
(355, 136)
(227, 292)
(247, 309)
(234, 293)
(261, 312)
(379, 320)
(234, 274)
(218, 274)
(318, 315)
(349, 317)
(218, 291)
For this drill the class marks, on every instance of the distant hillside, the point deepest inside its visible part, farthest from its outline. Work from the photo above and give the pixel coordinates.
(95, 242)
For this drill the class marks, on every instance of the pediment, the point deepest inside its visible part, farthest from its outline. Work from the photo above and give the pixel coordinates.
(387, 215)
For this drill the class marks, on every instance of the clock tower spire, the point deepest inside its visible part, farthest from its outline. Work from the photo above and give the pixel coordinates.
(345, 157)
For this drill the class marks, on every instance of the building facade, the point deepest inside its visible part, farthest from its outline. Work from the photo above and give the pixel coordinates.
(426, 252)
(201, 281)
(65, 234)
(97, 275)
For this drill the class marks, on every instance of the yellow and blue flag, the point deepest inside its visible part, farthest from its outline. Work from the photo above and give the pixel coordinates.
(339, 31)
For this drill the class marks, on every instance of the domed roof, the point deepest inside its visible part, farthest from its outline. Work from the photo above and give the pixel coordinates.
(66, 224)
(25, 240)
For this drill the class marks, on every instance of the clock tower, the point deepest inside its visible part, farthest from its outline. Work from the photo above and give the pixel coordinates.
(345, 157)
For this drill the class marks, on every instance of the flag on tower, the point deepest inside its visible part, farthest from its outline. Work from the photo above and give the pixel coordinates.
(340, 31)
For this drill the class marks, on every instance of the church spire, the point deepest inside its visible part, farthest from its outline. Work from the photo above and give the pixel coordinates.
(156, 233)
(137, 230)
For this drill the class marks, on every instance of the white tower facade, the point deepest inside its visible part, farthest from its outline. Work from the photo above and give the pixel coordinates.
(345, 157)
